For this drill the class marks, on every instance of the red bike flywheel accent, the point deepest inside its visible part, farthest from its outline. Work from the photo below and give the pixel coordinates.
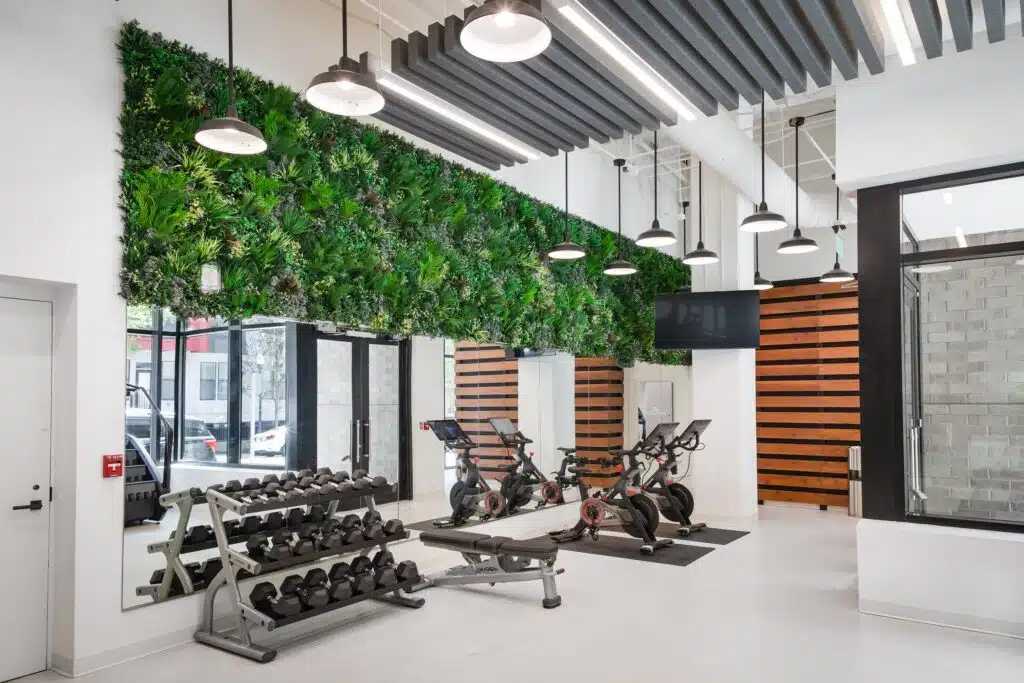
(494, 503)
(591, 512)
(549, 492)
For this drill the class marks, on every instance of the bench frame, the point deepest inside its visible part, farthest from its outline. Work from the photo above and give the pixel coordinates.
(483, 566)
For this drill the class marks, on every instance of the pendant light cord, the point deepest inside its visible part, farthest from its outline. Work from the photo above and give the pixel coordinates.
(231, 58)
(757, 255)
(796, 167)
(618, 244)
(700, 204)
(655, 175)
(762, 147)
(836, 228)
(344, 29)
(566, 235)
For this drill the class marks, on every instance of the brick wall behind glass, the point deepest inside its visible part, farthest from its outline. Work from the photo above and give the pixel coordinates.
(972, 333)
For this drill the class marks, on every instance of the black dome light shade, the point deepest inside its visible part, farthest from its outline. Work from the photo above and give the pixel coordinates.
(701, 256)
(620, 266)
(656, 236)
(231, 135)
(837, 274)
(797, 244)
(762, 220)
(567, 250)
(345, 89)
(506, 31)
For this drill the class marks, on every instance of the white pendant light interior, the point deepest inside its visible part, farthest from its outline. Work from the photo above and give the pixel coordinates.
(345, 89)
(619, 266)
(797, 244)
(505, 31)
(567, 250)
(701, 256)
(837, 274)
(656, 236)
(231, 135)
(762, 220)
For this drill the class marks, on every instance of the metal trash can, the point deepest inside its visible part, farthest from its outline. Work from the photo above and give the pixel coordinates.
(854, 506)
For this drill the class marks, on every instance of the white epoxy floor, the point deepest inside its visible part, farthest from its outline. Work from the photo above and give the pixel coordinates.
(777, 605)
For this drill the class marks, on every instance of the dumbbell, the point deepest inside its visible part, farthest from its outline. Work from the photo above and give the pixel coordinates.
(341, 584)
(305, 543)
(265, 599)
(351, 529)
(269, 479)
(273, 521)
(316, 514)
(407, 570)
(158, 577)
(311, 590)
(393, 528)
(328, 537)
(288, 476)
(371, 517)
(272, 549)
(361, 572)
(324, 470)
(373, 531)
(208, 570)
(246, 526)
(196, 534)
(341, 477)
(302, 474)
(295, 518)
(384, 569)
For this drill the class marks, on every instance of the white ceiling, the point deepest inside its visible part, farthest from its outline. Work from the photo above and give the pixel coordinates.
(979, 208)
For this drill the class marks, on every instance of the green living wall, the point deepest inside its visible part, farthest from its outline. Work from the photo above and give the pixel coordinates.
(343, 222)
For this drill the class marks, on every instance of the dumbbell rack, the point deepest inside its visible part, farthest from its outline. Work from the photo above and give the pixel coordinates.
(172, 547)
(238, 640)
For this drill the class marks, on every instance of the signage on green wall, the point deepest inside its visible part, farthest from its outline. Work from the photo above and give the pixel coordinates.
(345, 223)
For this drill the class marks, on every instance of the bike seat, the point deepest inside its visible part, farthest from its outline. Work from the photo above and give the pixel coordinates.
(567, 450)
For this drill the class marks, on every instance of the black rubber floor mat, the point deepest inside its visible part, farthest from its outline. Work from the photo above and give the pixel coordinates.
(677, 554)
(708, 535)
(428, 524)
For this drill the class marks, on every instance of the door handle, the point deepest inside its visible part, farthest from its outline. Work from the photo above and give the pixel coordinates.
(32, 506)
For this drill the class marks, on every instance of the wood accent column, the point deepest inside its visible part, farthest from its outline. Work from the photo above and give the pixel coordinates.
(808, 400)
(486, 386)
(599, 413)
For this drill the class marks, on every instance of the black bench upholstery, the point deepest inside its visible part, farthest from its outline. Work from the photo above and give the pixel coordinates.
(464, 541)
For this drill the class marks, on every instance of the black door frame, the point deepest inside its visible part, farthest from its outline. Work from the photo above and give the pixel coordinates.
(361, 404)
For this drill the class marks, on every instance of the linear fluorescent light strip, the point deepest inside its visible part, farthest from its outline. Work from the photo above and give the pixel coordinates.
(395, 87)
(898, 31)
(639, 69)
(960, 238)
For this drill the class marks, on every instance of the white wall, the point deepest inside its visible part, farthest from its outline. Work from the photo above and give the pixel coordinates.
(966, 578)
(938, 116)
(427, 387)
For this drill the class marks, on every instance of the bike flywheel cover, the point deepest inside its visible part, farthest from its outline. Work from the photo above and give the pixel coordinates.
(549, 492)
(591, 512)
(494, 504)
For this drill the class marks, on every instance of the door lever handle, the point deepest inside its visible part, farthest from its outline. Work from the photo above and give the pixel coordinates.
(33, 505)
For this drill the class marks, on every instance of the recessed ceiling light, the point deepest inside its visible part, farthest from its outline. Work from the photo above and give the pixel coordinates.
(960, 238)
(898, 31)
(947, 197)
(389, 82)
(1020, 261)
(927, 268)
(588, 24)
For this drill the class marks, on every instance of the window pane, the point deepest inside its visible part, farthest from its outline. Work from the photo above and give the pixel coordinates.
(140, 318)
(206, 323)
(964, 216)
(264, 408)
(205, 402)
(207, 381)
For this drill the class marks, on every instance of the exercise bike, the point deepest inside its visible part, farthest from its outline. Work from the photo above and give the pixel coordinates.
(568, 474)
(673, 499)
(525, 482)
(624, 506)
(471, 495)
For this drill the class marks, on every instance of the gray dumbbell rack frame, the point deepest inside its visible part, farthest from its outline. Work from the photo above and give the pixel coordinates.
(171, 548)
(238, 640)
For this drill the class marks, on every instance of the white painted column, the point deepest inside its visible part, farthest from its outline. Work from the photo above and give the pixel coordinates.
(724, 474)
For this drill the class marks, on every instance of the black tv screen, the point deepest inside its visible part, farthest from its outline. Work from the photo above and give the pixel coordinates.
(708, 320)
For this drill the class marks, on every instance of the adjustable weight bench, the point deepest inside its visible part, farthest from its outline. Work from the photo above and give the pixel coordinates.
(495, 559)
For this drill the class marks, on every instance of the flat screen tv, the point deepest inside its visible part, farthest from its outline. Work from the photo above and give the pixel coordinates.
(707, 320)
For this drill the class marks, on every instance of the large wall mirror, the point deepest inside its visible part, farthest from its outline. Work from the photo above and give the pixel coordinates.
(211, 401)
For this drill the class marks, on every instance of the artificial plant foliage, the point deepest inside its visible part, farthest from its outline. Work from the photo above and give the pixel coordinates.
(345, 223)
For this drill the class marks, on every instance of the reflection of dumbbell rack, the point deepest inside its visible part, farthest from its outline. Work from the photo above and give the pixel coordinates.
(238, 639)
(172, 547)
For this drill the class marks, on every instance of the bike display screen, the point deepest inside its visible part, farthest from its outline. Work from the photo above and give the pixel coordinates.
(663, 432)
(694, 430)
(503, 426)
(448, 430)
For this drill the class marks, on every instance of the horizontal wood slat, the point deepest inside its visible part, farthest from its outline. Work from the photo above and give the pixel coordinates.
(818, 337)
(464, 355)
(808, 369)
(493, 401)
(599, 401)
(778, 417)
(471, 391)
(612, 376)
(823, 466)
(583, 416)
(809, 433)
(809, 385)
(810, 450)
(848, 303)
(809, 401)
(808, 290)
(796, 322)
(600, 388)
(596, 363)
(470, 369)
(837, 483)
(598, 428)
(812, 497)
(851, 353)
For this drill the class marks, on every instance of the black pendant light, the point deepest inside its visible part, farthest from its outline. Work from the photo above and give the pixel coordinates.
(656, 236)
(837, 274)
(762, 220)
(619, 266)
(230, 134)
(345, 89)
(505, 31)
(567, 250)
(701, 256)
(761, 283)
(797, 244)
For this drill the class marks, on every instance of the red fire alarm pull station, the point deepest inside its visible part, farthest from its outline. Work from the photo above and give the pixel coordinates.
(113, 466)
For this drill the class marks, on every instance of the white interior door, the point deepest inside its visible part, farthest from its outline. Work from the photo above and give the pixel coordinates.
(25, 358)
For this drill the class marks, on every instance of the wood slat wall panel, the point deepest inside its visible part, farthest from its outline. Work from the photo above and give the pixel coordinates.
(486, 386)
(598, 418)
(808, 383)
